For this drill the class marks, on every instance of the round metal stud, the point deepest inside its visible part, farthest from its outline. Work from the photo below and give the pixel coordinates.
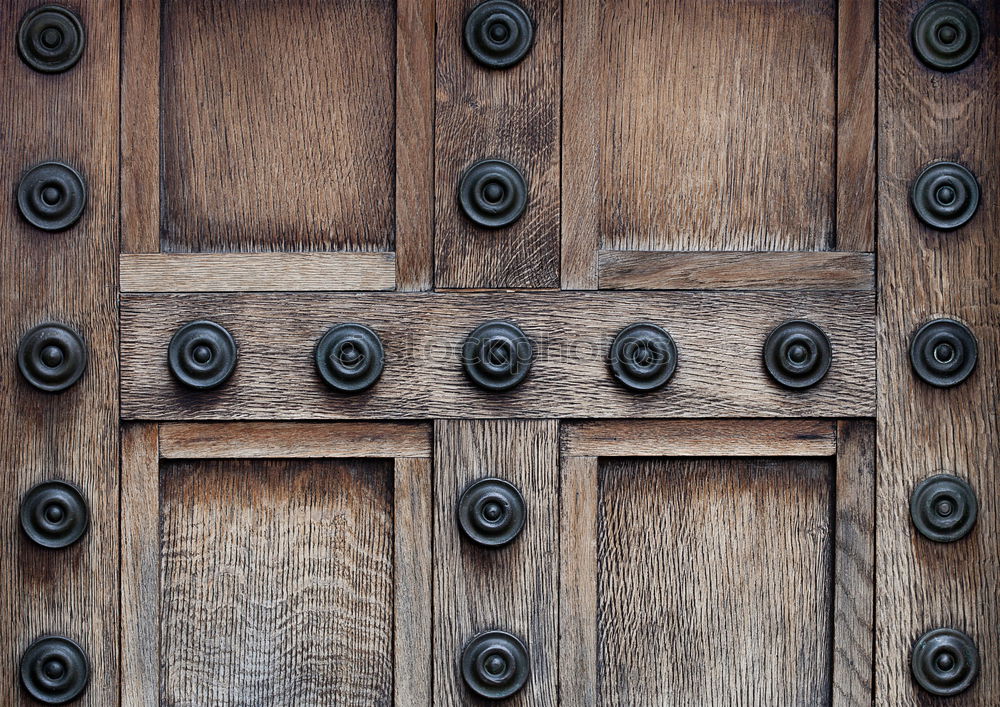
(52, 196)
(943, 352)
(945, 196)
(643, 357)
(54, 514)
(202, 354)
(54, 670)
(945, 35)
(797, 354)
(498, 33)
(495, 664)
(50, 39)
(497, 356)
(943, 508)
(350, 358)
(491, 512)
(945, 662)
(52, 357)
(493, 193)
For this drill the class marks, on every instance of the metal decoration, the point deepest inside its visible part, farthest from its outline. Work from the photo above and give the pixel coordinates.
(945, 35)
(643, 357)
(50, 39)
(943, 508)
(495, 664)
(943, 352)
(350, 358)
(54, 670)
(52, 196)
(493, 193)
(54, 514)
(497, 356)
(797, 354)
(498, 33)
(52, 357)
(202, 354)
(945, 195)
(945, 662)
(491, 512)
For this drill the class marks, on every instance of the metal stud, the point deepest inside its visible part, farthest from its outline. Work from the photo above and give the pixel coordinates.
(945, 662)
(497, 356)
(491, 512)
(945, 196)
(54, 670)
(52, 196)
(50, 39)
(202, 354)
(493, 193)
(943, 352)
(643, 357)
(350, 358)
(54, 514)
(495, 664)
(797, 354)
(498, 33)
(945, 35)
(52, 357)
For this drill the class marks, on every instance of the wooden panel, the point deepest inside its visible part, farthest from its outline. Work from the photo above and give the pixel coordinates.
(276, 582)
(66, 277)
(647, 270)
(926, 116)
(513, 115)
(277, 125)
(512, 588)
(719, 337)
(716, 123)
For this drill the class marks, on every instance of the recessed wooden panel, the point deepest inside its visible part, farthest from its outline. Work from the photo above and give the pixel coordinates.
(276, 582)
(277, 124)
(714, 581)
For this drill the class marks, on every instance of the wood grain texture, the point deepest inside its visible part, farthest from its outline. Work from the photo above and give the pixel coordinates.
(67, 277)
(717, 123)
(719, 338)
(513, 588)
(293, 440)
(926, 116)
(277, 582)
(278, 125)
(700, 438)
(512, 115)
(649, 270)
(750, 622)
(257, 272)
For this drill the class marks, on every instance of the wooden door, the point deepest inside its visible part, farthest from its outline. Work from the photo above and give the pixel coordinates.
(547, 352)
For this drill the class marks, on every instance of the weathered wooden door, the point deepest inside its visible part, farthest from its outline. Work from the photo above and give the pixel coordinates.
(559, 351)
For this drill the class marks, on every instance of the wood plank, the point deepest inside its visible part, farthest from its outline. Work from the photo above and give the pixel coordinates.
(854, 565)
(700, 438)
(719, 337)
(67, 277)
(413, 518)
(856, 89)
(293, 440)
(925, 116)
(512, 115)
(513, 588)
(257, 272)
(649, 270)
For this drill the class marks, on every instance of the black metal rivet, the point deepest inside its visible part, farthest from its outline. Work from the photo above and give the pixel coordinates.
(643, 357)
(54, 514)
(350, 358)
(943, 508)
(945, 196)
(495, 664)
(50, 39)
(797, 354)
(945, 35)
(943, 352)
(497, 356)
(202, 354)
(493, 193)
(945, 662)
(491, 512)
(498, 33)
(52, 196)
(54, 670)
(52, 357)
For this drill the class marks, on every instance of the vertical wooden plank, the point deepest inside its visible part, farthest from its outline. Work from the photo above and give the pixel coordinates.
(511, 588)
(926, 116)
(412, 513)
(855, 217)
(854, 565)
(578, 581)
(140, 565)
(67, 277)
(511, 114)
